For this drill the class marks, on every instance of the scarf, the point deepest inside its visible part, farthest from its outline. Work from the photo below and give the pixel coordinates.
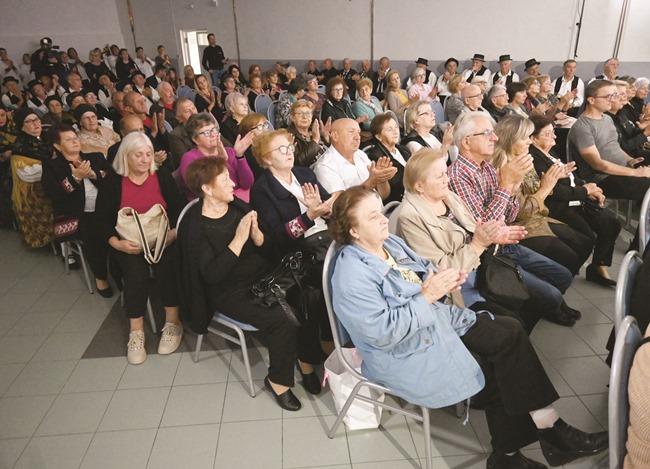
(31, 147)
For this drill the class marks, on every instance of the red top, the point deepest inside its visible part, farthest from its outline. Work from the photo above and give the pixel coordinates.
(142, 197)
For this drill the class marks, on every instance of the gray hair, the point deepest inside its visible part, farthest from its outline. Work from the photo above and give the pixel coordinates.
(131, 143)
(494, 90)
(291, 68)
(196, 121)
(464, 126)
(641, 82)
(162, 84)
(412, 115)
(231, 99)
(417, 71)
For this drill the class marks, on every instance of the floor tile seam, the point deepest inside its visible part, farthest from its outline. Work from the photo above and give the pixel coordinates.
(593, 415)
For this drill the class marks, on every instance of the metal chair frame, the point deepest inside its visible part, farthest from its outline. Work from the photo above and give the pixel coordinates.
(76, 246)
(644, 222)
(624, 283)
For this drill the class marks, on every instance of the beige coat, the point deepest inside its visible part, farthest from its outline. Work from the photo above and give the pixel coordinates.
(638, 432)
(436, 238)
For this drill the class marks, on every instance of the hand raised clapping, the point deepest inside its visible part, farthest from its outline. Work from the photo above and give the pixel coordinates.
(437, 285)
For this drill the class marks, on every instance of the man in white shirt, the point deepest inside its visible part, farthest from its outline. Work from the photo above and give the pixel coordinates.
(478, 69)
(610, 71)
(531, 67)
(343, 165)
(144, 63)
(570, 83)
(505, 75)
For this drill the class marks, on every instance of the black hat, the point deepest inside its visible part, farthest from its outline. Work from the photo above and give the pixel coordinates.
(82, 109)
(503, 58)
(9, 78)
(422, 61)
(137, 72)
(480, 57)
(530, 63)
(21, 114)
(33, 83)
(451, 59)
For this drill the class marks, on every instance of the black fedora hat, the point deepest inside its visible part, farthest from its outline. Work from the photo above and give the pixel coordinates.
(530, 63)
(503, 58)
(480, 57)
(422, 61)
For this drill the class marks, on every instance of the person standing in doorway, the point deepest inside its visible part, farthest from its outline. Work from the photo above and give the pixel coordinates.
(213, 59)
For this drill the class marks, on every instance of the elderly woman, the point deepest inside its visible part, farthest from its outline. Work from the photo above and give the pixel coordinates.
(188, 76)
(256, 124)
(90, 98)
(93, 137)
(531, 104)
(336, 106)
(283, 109)
(454, 104)
(637, 107)
(136, 184)
(306, 133)
(272, 84)
(419, 88)
(419, 125)
(385, 131)
(562, 105)
(549, 237)
(207, 99)
(291, 74)
(221, 258)
(71, 181)
(517, 95)
(255, 90)
(204, 130)
(292, 204)
(391, 302)
(32, 208)
(396, 98)
(576, 203)
(366, 104)
(56, 113)
(236, 106)
(313, 96)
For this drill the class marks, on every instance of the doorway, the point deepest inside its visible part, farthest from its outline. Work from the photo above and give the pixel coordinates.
(193, 41)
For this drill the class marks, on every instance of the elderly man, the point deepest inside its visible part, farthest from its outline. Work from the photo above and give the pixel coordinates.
(599, 155)
(180, 142)
(610, 71)
(366, 70)
(116, 113)
(343, 165)
(491, 196)
(379, 78)
(505, 75)
(132, 123)
(531, 67)
(451, 66)
(478, 69)
(144, 63)
(472, 96)
(328, 71)
(348, 74)
(496, 102)
(13, 97)
(75, 85)
(570, 83)
(150, 94)
(166, 103)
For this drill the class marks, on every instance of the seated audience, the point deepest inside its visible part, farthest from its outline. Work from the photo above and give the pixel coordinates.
(348, 74)
(576, 203)
(570, 87)
(207, 98)
(366, 104)
(37, 96)
(454, 104)
(420, 123)
(166, 103)
(545, 235)
(451, 66)
(95, 67)
(396, 98)
(180, 142)
(335, 105)
(90, 98)
(125, 66)
(385, 133)
(272, 84)
(93, 137)
(379, 81)
(429, 76)
(138, 185)
(295, 91)
(13, 98)
(313, 96)
(162, 58)
(105, 89)
(255, 89)
(188, 76)
(343, 165)
(222, 255)
(240, 82)
(506, 74)
(56, 114)
(477, 69)
(306, 132)
(256, 124)
(516, 98)
(638, 107)
(236, 107)
(531, 104)
(71, 180)
(497, 102)
(419, 88)
(144, 63)
(204, 130)
(173, 79)
(633, 137)
(559, 106)
(328, 72)
(472, 98)
(638, 437)
(150, 94)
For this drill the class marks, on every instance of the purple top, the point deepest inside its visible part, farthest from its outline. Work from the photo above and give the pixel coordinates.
(240, 173)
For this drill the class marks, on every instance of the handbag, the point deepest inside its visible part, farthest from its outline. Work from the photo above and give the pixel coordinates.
(148, 230)
(499, 280)
(315, 246)
(273, 289)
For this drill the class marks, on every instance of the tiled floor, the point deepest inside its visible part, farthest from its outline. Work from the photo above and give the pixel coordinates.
(60, 411)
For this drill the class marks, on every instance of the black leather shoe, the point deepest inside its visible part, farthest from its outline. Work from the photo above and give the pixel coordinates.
(72, 263)
(310, 381)
(106, 292)
(561, 317)
(286, 400)
(516, 461)
(574, 313)
(592, 275)
(563, 443)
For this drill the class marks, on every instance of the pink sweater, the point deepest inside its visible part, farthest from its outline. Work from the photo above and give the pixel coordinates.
(240, 173)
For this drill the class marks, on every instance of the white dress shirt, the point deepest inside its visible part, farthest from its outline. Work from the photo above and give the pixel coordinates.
(335, 173)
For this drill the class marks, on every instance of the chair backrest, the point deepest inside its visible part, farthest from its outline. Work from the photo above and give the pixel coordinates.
(184, 211)
(262, 103)
(182, 91)
(627, 342)
(270, 113)
(38, 112)
(168, 127)
(438, 110)
(390, 211)
(624, 284)
(644, 222)
(191, 94)
(390, 207)
(320, 89)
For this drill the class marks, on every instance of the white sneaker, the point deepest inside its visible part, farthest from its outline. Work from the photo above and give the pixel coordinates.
(170, 339)
(136, 353)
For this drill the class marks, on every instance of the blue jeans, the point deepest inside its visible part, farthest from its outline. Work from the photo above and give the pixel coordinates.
(216, 76)
(545, 279)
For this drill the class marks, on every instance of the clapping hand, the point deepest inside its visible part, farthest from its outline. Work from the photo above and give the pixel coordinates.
(256, 234)
(381, 171)
(441, 283)
(242, 144)
(82, 171)
(311, 199)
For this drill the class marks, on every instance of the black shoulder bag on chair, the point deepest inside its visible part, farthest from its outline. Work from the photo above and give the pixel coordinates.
(499, 280)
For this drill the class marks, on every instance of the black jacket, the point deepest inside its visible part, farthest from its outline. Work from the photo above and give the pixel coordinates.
(67, 195)
(630, 137)
(397, 182)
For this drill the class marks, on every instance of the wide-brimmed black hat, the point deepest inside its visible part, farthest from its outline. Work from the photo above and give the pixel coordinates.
(422, 61)
(480, 57)
(530, 63)
(9, 78)
(503, 58)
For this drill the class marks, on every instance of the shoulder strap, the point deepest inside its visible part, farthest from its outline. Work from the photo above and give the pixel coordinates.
(558, 85)
(574, 83)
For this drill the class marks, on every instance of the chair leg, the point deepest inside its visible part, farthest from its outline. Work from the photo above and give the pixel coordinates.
(426, 428)
(344, 410)
(247, 363)
(199, 341)
(628, 220)
(152, 321)
(64, 253)
(85, 267)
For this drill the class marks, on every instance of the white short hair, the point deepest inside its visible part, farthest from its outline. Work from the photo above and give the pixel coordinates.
(132, 142)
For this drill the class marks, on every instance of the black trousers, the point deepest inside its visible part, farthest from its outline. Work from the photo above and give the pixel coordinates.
(515, 381)
(526, 315)
(317, 327)
(569, 248)
(95, 249)
(136, 280)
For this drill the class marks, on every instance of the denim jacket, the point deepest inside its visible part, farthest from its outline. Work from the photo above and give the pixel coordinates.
(410, 346)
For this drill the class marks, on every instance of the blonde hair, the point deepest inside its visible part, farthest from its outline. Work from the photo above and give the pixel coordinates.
(364, 82)
(302, 103)
(454, 82)
(388, 78)
(262, 145)
(131, 143)
(510, 129)
(417, 166)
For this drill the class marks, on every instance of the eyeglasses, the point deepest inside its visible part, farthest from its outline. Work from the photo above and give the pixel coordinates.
(480, 95)
(504, 95)
(284, 149)
(303, 114)
(547, 134)
(337, 90)
(608, 97)
(262, 125)
(426, 113)
(210, 132)
(487, 133)
(32, 121)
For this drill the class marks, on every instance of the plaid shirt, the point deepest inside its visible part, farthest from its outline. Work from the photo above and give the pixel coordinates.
(478, 186)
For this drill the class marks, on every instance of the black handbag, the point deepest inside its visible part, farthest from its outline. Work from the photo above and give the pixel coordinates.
(273, 289)
(500, 281)
(315, 246)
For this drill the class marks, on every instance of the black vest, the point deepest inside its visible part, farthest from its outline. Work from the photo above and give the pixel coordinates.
(497, 77)
(480, 73)
(558, 84)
